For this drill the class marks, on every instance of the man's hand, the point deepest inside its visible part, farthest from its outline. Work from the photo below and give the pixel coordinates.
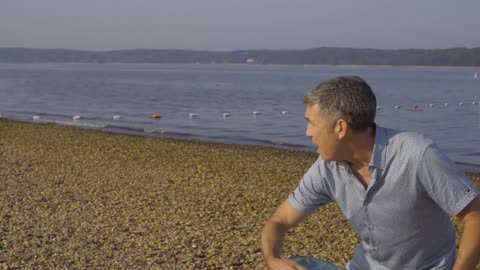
(284, 264)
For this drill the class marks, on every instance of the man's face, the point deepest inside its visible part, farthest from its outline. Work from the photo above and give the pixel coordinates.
(322, 132)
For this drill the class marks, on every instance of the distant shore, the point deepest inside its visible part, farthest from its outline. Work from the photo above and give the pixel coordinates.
(77, 198)
(314, 56)
(260, 64)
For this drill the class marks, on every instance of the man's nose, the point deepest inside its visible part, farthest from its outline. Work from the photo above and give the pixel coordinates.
(307, 132)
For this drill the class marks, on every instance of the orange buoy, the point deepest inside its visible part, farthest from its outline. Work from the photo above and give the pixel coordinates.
(415, 106)
(156, 116)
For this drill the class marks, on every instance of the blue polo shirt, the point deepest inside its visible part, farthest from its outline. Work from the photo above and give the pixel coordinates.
(403, 216)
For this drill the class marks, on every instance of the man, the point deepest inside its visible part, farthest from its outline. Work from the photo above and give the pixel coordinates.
(397, 189)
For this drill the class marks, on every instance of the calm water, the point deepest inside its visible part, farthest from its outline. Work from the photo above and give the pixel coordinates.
(97, 92)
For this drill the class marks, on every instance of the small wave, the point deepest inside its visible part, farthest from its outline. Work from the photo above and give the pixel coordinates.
(51, 116)
(78, 124)
(125, 128)
(133, 129)
(58, 122)
(256, 141)
(467, 163)
(293, 145)
(64, 123)
(15, 112)
(279, 144)
(468, 167)
(46, 121)
(177, 134)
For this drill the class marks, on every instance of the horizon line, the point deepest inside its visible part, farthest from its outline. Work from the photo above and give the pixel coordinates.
(237, 50)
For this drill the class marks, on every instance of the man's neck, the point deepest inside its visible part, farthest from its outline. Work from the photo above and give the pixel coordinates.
(361, 149)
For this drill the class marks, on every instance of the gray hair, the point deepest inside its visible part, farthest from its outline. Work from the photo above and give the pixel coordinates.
(349, 98)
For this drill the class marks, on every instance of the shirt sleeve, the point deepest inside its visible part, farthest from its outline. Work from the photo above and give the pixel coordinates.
(444, 182)
(310, 193)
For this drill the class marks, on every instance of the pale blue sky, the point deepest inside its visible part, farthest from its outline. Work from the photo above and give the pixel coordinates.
(235, 24)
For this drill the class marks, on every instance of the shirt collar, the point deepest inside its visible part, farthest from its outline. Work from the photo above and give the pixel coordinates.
(379, 149)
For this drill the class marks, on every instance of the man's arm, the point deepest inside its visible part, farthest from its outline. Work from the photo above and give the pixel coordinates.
(469, 250)
(273, 235)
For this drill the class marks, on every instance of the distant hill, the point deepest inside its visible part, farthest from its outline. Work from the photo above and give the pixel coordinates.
(317, 56)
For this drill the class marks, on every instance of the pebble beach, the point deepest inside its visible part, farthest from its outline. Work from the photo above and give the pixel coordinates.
(74, 198)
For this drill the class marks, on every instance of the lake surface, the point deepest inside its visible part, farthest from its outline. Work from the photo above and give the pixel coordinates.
(98, 92)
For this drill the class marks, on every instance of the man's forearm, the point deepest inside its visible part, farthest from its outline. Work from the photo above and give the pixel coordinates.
(273, 235)
(469, 250)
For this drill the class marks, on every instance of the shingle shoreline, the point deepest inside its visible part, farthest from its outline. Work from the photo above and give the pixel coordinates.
(82, 199)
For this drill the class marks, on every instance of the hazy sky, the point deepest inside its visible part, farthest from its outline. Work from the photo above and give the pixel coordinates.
(238, 24)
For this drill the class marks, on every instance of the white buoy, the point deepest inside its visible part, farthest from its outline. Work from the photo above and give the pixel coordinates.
(116, 117)
(379, 108)
(431, 105)
(226, 115)
(76, 117)
(475, 75)
(473, 103)
(445, 104)
(192, 115)
(397, 107)
(284, 112)
(36, 117)
(460, 104)
(256, 113)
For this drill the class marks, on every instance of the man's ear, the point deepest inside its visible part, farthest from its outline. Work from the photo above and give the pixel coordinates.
(341, 128)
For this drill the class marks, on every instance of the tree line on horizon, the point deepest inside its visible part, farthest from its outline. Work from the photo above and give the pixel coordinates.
(316, 56)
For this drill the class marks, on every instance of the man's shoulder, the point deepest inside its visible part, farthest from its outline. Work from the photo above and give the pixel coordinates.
(407, 140)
